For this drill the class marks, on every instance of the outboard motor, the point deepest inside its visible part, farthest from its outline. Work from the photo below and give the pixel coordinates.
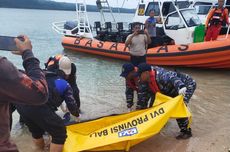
(69, 25)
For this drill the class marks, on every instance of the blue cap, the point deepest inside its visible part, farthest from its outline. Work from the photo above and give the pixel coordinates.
(126, 69)
(142, 68)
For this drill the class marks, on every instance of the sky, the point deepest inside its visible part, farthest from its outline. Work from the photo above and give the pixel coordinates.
(113, 3)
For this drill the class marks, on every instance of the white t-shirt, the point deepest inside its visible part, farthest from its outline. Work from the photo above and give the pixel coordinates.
(137, 47)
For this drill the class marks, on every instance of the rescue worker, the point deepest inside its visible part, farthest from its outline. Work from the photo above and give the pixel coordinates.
(215, 19)
(43, 118)
(150, 26)
(138, 43)
(170, 83)
(29, 88)
(53, 65)
(131, 82)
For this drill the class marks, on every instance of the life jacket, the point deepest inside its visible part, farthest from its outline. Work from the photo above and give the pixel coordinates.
(133, 82)
(217, 17)
(53, 62)
(153, 83)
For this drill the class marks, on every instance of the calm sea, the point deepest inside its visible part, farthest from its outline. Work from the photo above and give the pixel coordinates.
(102, 89)
(98, 78)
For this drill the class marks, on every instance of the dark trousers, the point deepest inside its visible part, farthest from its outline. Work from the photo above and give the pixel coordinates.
(183, 124)
(136, 60)
(155, 41)
(42, 118)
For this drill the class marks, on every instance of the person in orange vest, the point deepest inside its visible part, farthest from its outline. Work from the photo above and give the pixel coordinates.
(131, 82)
(171, 83)
(216, 17)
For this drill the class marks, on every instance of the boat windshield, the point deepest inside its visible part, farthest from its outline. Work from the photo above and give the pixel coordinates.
(174, 22)
(167, 7)
(153, 6)
(190, 17)
(202, 8)
(182, 4)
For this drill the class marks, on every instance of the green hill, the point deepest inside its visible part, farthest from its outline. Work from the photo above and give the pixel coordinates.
(50, 5)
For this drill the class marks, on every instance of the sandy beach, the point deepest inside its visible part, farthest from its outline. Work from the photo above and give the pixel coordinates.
(210, 107)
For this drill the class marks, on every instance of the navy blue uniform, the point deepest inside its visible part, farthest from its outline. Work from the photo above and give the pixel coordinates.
(169, 83)
(59, 91)
(54, 67)
(43, 118)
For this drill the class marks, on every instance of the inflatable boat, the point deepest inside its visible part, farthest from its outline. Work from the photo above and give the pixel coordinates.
(214, 54)
(179, 25)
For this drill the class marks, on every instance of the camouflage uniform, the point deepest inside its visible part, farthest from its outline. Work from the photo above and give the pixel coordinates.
(131, 86)
(169, 83)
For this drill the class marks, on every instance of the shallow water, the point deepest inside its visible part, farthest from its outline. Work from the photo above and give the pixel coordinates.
(102, 90)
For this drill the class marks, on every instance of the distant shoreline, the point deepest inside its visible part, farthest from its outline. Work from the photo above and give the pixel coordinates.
(52, 5)
(60, 10)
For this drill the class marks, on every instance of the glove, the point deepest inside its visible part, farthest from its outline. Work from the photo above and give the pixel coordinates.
(182, 91)
(66, 117)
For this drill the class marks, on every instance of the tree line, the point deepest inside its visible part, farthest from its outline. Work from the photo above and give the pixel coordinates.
(51, 5)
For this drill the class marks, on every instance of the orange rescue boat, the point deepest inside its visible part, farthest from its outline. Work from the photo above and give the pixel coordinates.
(213, 54)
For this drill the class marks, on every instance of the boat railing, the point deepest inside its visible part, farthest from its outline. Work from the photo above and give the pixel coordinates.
(103, 6)
(227, 32)
(79, 27)
(60, 29)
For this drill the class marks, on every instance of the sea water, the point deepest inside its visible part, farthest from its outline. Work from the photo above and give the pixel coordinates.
(102, 90)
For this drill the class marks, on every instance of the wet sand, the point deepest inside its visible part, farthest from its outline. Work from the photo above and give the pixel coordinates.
(210, 107)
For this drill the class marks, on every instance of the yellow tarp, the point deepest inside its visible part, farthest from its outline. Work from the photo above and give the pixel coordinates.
(126, 130)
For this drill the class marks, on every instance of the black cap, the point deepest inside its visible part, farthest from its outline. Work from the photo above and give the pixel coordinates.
(142, 68)
(126, 69)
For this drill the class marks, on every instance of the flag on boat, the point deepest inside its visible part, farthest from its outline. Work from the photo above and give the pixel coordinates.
(123, 131)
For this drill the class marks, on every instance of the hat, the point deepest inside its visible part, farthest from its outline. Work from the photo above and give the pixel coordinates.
(65, 65)
(126, 69)
(142, 68)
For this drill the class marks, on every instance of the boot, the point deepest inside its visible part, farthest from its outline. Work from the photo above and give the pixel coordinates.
(185, 134)
(129, 104)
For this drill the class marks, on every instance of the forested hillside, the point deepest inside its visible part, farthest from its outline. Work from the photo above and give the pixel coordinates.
(50, 5)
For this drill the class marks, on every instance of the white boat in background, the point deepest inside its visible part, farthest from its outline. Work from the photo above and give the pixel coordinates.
(161, 8)
(180, 19)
